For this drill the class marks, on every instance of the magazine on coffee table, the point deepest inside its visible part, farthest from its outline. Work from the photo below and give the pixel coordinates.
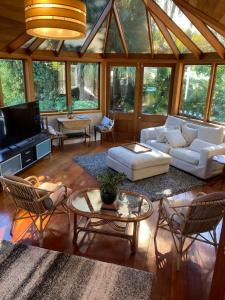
(137, 147)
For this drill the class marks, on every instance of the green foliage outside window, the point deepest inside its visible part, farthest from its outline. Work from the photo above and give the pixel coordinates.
(12, 81)
(122, 88)
(218, 101)
(156, 90)
(195, 90)
(50, 85)
(85, 85)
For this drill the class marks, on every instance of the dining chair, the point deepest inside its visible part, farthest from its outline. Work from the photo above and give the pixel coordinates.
(190, 219)
(53, 134)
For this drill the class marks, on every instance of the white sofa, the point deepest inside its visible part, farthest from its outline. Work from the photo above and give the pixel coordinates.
(195, 154)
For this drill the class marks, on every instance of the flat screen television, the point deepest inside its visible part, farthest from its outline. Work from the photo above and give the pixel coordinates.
(18, 123)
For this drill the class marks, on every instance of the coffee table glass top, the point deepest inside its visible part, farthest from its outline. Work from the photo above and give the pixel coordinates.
(128, 206)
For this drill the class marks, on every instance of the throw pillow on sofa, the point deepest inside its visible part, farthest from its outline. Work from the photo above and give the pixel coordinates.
(189, 133)
(197, 145)
(175, 138)
(160, 133)
(174, 122)
(211, 134)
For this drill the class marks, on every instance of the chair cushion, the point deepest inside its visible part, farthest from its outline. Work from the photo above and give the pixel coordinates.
(186, 155)
(211, 134)
(197, 145)
(106, 122)
(174, 122)
(189, 133)
(175, 138)
(57, 197)
(160, 146)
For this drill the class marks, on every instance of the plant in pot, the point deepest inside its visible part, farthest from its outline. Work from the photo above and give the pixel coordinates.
(109, 184)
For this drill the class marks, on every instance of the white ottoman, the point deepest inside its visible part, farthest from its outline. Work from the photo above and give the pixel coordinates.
(138, 165)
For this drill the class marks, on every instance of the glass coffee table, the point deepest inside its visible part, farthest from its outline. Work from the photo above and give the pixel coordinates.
(91, 214)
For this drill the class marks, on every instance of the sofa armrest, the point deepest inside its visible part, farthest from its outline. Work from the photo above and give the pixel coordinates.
(147, 134)
(211, 151)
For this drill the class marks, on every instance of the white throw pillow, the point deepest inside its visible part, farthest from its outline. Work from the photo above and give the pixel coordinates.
(197, 145)
(174, 122)
(160, 133)
(211, 135)
(175, 138)
(189, 133)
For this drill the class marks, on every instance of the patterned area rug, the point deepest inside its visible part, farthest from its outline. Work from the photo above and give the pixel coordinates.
(28, 272)
(172, 183)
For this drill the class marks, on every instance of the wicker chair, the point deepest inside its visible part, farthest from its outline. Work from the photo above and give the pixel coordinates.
(191, 220)
(33, 201)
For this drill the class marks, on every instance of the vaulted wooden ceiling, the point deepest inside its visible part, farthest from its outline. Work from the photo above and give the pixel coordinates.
(206, 16)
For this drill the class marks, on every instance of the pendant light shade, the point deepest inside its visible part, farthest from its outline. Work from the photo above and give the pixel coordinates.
(55, 19)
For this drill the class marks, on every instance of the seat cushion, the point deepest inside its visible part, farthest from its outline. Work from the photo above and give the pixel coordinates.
(197, 145)
(186, 155)
(138, 161)
(160, 146)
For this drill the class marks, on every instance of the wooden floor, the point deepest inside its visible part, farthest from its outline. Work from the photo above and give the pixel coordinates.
(191, 282)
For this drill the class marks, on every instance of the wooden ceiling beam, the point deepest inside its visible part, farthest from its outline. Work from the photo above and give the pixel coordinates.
(167, 36)
(36, 43)
(120, 29)
(150, 37)
(107, 32)
(59, 48)
(18, 42)
(168, 22)
(97, 26)
(216, 25)
(204, 30)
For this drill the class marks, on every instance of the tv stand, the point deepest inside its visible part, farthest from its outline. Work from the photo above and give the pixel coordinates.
(20, 156)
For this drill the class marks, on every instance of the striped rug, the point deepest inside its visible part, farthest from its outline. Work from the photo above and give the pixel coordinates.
(28, 272)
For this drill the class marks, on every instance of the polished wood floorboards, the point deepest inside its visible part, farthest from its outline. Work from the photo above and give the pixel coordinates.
(191, 282)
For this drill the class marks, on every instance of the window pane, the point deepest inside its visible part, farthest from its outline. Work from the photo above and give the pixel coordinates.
(195, 89)
(85, 85)
(12, 81)
(50, 85)
(122, 88)
(156, 90)
(218, 101)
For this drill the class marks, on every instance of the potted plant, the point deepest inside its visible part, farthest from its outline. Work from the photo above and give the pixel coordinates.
(109, 184)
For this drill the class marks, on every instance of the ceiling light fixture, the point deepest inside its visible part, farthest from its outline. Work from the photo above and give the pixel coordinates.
(55, 19)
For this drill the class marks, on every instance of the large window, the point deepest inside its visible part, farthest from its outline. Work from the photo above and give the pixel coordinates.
(156, 90)
(12, 81)
(218, 100)
(85, 85)
(50, 85)
(195, 90)
(122, 88)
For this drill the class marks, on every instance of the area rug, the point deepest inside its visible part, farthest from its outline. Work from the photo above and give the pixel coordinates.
(28, 272)
(172, 183)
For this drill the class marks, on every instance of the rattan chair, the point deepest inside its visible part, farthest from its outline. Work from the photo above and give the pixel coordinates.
(31, 201)
(191, 220)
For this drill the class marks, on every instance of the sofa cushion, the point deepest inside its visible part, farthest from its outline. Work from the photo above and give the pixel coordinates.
(160, 133)
(211, 134)
(139, 161)
(160, 146)
(175, 138)
(197, 145)
(186, 155)
(189, 133)
(173, 122)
